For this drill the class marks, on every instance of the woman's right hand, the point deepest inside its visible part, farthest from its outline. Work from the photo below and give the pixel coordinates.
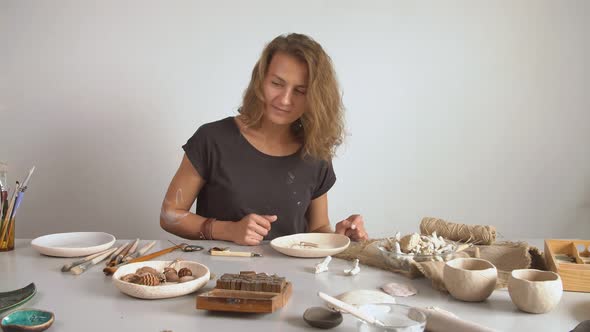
(251, 229)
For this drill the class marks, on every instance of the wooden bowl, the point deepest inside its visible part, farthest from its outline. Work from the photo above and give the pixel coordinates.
(168, 290)
(470, 279)
(535, 291)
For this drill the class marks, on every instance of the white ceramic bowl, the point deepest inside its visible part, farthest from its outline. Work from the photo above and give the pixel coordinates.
(470, 279)
(535, 291)
(200, 272)
(73, 244)
(328, 244)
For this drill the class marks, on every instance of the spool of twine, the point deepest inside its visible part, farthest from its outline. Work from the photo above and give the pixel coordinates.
(478, 234)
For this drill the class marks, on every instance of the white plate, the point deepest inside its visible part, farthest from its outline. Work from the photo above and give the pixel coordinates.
(200, 271)
(74, 244)
(328, 244)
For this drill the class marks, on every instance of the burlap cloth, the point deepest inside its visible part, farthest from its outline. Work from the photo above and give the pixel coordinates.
(506, 256)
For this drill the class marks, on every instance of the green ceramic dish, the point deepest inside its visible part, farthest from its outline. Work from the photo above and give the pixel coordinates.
(17, 297)
(27, 320)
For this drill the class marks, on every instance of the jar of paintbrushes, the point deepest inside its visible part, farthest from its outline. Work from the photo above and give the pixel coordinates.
(9, 207)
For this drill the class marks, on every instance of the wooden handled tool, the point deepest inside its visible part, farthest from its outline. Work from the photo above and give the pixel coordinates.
(218, 252)
(111, 269)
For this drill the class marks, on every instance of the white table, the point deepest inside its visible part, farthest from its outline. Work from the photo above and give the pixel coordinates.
(90, 302)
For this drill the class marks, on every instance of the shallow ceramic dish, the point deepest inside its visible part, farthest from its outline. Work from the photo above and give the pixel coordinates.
(396, 317)
(27, 320)
(328, 244)
(200, 272)
(17, 297)
(73, 244)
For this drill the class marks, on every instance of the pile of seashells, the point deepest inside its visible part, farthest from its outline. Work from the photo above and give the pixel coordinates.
(420, 245)
(149, 276)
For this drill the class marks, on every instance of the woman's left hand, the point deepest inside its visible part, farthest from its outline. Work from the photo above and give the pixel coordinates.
(353, 227)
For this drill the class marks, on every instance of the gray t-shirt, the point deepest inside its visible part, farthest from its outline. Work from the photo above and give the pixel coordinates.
(241, 180)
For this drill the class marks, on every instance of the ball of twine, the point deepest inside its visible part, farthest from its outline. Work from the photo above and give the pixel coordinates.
(477, 234)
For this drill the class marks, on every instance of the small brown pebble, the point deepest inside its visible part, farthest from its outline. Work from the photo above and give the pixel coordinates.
(171, 276)
(185, 271)
(166, 269)
(186, 278)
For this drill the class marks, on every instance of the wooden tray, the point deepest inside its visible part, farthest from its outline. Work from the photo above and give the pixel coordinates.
(244, 301)
(575, 275)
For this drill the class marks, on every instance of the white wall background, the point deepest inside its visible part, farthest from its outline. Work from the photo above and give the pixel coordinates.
(473, 111)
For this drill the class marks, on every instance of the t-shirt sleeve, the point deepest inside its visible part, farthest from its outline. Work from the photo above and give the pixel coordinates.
(198, 151)
(326, 180)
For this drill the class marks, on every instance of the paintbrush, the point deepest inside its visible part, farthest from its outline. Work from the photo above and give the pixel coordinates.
(3, 201)
(68, 267)
(132, 249)
(123, 253)
(11, 214)
(114, 258)
(225, 252)
(139, 253)
(84, 266)
(111, 269)
(3, 191)
(130, 258)
(114, 255)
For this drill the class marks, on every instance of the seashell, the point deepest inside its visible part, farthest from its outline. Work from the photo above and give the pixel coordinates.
(171, 275)
(363, 296)
(409, 242)
(167, 269)
(146, 269)
(396, 248)
(131, 277)
(148, 279)
(186, 278)
(184, 272)
(396, 289)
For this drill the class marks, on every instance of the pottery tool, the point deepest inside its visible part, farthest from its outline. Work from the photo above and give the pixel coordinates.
(68, 267)
(111, 269)
(308, 244)
(216, 251)
(142, 251)
(350, 309)
(84, 266)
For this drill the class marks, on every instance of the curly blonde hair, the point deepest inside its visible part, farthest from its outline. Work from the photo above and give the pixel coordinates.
(321, 127)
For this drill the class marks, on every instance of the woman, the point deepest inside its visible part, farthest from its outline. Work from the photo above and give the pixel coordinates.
(266, 172)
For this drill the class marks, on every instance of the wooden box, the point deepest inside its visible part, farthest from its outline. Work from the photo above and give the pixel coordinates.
(571, 260)
(244, 301)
